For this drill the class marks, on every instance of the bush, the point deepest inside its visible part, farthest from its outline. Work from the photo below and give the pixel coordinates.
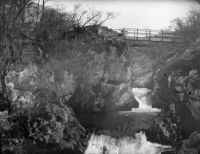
(189, 26)
(54, 25)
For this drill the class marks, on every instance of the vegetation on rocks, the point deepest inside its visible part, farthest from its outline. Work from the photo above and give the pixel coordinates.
(54, 65)
(176, 90)
(49, 62)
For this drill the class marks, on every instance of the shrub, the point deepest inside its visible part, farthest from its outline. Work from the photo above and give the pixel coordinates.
(189, 26)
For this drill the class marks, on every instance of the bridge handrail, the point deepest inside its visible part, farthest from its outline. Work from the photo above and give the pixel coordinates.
(150, 34)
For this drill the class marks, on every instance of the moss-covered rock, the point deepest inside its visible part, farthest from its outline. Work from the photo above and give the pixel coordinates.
(40, 122)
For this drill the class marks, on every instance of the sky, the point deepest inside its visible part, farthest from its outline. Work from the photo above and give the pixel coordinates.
(154, 14)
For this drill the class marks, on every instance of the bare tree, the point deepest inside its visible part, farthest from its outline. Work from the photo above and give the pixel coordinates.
(83, 17)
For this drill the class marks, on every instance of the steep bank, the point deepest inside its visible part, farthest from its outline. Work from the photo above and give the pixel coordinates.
(40, 122)
(177, 84)
(147, 57)
(44, 88)
(176, 91)
(86, 75)
(100, 73)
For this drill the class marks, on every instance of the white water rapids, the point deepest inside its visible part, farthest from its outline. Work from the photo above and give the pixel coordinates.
(102, 144)
(143, 97)
(107, 145)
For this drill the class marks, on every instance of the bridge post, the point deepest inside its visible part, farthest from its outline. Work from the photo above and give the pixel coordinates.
(146, 31)
(124, 33)
(149, 35)
(137, 34)
(162, 35)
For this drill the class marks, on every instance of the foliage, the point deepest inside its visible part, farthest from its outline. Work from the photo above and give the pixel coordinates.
(11, 36)
(53, 25)
(190, 25)
(47, 125)
(49, 122)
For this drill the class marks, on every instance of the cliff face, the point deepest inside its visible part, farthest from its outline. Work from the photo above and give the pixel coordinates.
(178, 84)
(100, 74)
(176, 91)
(90, 74)
(82, 75)
(39, 121)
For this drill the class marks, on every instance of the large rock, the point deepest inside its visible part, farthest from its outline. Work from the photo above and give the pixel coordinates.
(165, 129)
(103, 98)
(31, 78)
(178, 84)
(40, 122)
(101, 84)
(119, 98)
(191, 145)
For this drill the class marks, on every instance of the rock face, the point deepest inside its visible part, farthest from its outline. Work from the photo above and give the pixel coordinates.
(176, 91)
(191, 145)
(106, 72)
(42, 94)
(178, 84)
(165, 129)
(102, 80)
(40, 122)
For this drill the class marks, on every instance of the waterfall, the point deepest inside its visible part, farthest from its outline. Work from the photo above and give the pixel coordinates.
(143, 97)
(139, 145)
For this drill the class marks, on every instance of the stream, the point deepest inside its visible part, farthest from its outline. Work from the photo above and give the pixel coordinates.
(120, 132)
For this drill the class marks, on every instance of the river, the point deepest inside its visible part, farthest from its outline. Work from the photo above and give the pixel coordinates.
(121, 132)
(122, 123)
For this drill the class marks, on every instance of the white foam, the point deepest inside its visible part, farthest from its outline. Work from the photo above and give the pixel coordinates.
(105, 144)
(138, 110)
(143, 97)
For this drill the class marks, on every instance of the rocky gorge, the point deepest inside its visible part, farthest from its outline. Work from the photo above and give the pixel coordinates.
(93, 75)
(79, 77)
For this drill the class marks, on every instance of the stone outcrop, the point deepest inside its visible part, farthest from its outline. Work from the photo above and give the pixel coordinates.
(176, 91)
(43, 90)
(191, 145)
(165, 129)
(178, 83)
(102, 83)
(40, 122)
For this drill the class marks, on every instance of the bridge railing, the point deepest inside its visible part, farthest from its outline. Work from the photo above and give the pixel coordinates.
(151, 35)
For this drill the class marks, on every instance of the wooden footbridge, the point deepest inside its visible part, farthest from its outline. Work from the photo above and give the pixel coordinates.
(151, 35)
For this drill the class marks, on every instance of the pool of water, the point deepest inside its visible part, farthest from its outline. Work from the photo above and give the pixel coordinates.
(119, 133)
(122, 123)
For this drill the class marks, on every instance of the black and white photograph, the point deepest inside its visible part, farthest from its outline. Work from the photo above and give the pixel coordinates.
(99, 76)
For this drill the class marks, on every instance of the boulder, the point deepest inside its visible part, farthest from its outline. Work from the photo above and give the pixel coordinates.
(191, 145)
(120, 98)
(165, 129)
(103, 98)
(40, 122)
